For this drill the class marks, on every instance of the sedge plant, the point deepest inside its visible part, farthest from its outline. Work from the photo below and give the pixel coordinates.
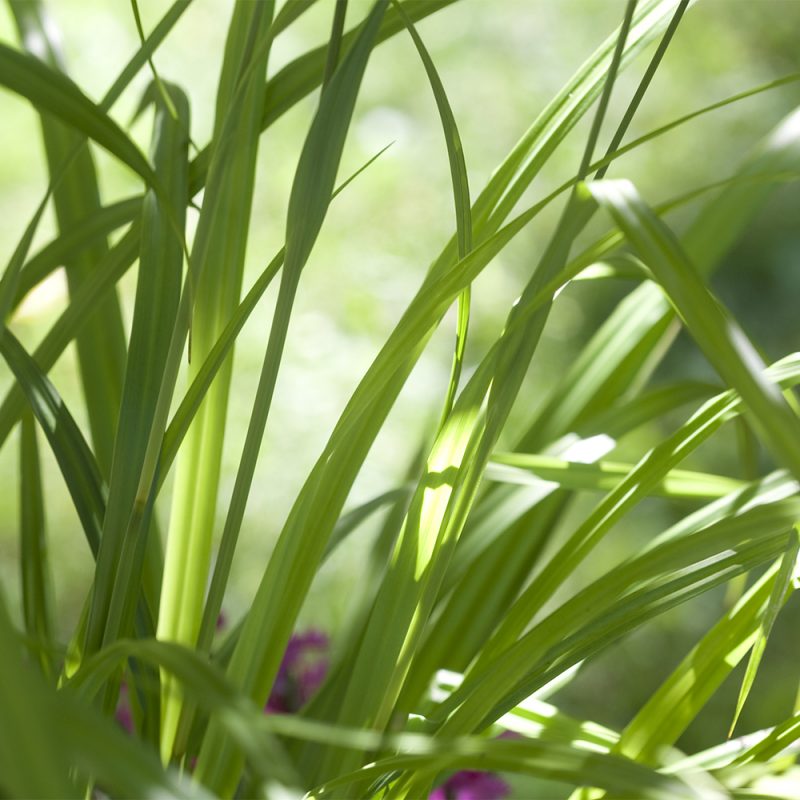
(469, 620)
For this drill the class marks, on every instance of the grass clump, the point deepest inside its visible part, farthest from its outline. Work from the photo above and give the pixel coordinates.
(442, 679)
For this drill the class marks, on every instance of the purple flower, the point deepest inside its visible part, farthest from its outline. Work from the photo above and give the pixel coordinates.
(301, 673)
(123, 713)
(471, 785)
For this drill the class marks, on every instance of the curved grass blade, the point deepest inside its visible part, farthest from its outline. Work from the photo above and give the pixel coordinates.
(149, 45)
(334, 41)
(724, 344)
(46, 735)
(629, 414)
(162, 89)
(299, 78)
(64, 330)
(709, 418)
(536, 719)
(202, 682)
(635, 592)
(544, 759)
(458, 174)
(780, 738)
(671, 708)
(559, 117)
(75, 459)
(288, 13)
(115, 761)
(83, 234)
(56, 94)
(480, 593)
(783, 583)
(75, 191)
(28, 16)
(11, 277)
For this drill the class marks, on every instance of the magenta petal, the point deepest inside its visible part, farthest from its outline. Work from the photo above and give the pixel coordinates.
(302, 671)
(472, 785)
(123, 714)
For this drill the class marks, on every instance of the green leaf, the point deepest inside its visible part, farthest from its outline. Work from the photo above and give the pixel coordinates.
(56, 94)
(308, 204)
(112, 267)
(650, 469)
(75, 192)
(11, 277)
(202, 682)
(209, 298)
(458, 174)
(34, 561)
(536, 719)
(334, 41)
(723, 342)
(672, 707)
(33, 760)
(157, 294)
(544, 759)
(301, 76)
(83, 234)
(782, 584)
(75, 459)
(603, 476)
(636, 591)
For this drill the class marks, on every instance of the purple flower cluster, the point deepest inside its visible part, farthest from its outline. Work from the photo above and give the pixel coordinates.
(301, 672)
(471, 785)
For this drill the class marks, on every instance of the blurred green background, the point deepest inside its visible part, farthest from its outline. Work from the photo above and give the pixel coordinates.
(501, 61)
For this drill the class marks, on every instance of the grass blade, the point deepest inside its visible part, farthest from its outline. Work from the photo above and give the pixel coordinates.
(308, 204)
(209, 299)
(75, 459)
(157, 294)
(671, 708)
(458, 174)
(56, 94)
(585, 537)
(101, 344)
(783, 583)
(35, 564)
(83, 234)
(550, 760)
(723, 343)
(33, 761)
(603, 476)
(637, 590)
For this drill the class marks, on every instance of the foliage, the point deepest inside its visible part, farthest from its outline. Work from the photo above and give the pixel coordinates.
(469, 616)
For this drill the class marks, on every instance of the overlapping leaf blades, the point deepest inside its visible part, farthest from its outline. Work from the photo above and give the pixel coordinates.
(449, 597)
